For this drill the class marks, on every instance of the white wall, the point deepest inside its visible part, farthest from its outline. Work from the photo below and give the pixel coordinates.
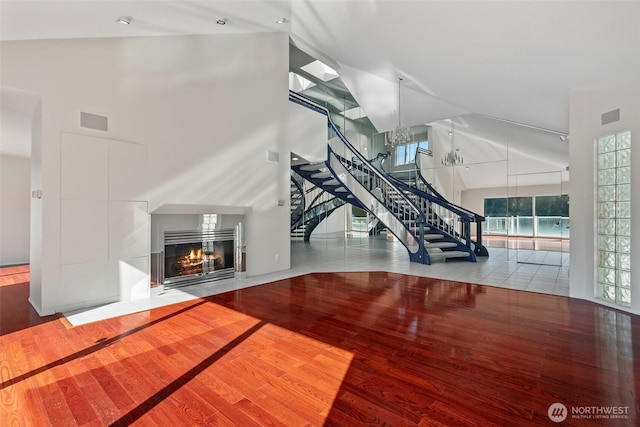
(207, 107)
(587, 106)
(15, 199)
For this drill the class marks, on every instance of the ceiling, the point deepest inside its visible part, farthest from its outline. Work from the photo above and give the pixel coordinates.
(515, 61)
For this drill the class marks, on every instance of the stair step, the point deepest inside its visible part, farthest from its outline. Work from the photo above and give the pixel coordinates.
(433, 236)
(313, 167)
(449, 254)
(340, 190)
(440, 245)
(332, 182)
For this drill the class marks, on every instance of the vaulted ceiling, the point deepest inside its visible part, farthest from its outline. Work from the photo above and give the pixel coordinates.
(513, 60)
(516, 61)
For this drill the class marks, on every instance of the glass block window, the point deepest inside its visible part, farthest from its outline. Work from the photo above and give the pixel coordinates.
(613, 243)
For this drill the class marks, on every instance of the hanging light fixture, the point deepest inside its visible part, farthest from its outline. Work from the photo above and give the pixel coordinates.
(452, 158)
(401, 134)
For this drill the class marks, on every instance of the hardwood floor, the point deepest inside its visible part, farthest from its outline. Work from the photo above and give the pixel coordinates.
(335, 349)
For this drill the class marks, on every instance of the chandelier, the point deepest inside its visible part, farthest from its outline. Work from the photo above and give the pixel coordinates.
(401, 134)
(452, 158)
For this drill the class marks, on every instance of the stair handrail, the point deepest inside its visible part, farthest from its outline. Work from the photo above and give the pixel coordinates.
(356, 161)
(303, 100)
(297, 182)
(477, 218)
(464, 213)
(414, 239)
(327, 205)
(437, 198)
(431, 189)
(463, 234)
(416, 162)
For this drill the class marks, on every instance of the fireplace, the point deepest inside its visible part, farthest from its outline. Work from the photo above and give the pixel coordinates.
(198, 256)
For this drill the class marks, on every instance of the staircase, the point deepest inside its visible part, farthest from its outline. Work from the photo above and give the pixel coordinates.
(317, 205)
(428, 227)
(433, 204)
(297, 206)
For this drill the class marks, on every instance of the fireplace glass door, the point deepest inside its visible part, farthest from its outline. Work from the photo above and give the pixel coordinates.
(194, 256)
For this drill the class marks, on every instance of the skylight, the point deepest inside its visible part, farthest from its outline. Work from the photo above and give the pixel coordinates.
(320, 70)
(354, 113)
(297, 83)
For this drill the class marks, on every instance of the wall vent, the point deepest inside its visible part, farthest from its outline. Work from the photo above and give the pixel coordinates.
(611, 116)
(273, 157)
(94, 121)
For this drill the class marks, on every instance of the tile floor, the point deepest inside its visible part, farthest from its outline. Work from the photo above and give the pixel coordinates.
(535, 271)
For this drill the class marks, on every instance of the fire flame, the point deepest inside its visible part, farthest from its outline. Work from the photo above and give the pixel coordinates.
(196, 257)
(193, 255)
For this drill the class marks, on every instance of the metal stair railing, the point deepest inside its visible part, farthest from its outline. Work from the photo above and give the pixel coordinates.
(453, 219)
(446, 217)
(298, 204)
(312, 203)
(423, 185)
(405, 211)
(322, 208)
(372, 188)
(420, 181)
(320, 202)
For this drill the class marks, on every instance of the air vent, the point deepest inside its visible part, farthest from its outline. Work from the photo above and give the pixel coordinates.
(273, 157)
(94, 121)
(611, 116)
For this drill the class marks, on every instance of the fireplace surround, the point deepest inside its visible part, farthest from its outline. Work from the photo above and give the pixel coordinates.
(195, 256)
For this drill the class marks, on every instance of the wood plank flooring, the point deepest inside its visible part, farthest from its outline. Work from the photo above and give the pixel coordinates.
(335, 349)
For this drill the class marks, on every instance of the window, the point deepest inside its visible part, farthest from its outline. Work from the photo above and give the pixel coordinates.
(613, 220)
(540, 216)
(520, 206)
(552, 216)
(406, 153)
(513, 215)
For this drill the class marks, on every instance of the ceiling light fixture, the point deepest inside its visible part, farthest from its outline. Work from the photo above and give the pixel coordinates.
(452, 158)
(124, 20)
(282, 21)
(222, 21)
(401, 134)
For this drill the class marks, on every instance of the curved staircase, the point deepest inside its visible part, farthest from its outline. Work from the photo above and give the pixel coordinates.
(428, 227)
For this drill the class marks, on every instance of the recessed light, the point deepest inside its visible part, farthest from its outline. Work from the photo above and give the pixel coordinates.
(124, 20)
(282, 21)
(222, 21)
(295, 158)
